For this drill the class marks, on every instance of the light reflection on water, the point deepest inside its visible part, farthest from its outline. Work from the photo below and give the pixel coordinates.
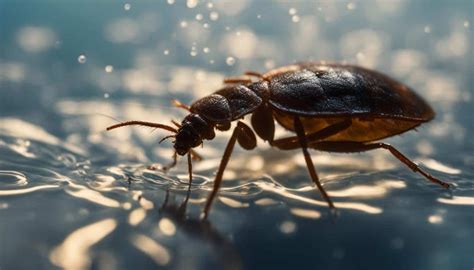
(75, 196)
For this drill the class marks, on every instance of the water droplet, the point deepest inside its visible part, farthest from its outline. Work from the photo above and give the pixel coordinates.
(214, 16)
(435, 219)
(227, 28)
(81, 59)
(466, 24)
(360, 56)
(211, 61)
(193, 51)
(106, 95)
(199, 16)
(351, 6)
(259, 16)
(127, 7)
(269, 64)
(427, 29)
(206, 25)
(288, 227)
(170, 2)
(183, 24)
(109, 68)
(205, 50)
(166, 52)
(295, 18)
(230, 61)
(292, 11)
(238, 33)
(210, 5)
(191, 3)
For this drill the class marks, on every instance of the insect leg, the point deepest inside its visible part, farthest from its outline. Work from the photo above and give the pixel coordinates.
(263, 123)
(195, 155)
(178, 104)
(361, 147)
(309, 162)
(254, 74)
(172, 164)
(241, 79)
(220, 172)
(246, 137)
(190, 171)
(290, 143)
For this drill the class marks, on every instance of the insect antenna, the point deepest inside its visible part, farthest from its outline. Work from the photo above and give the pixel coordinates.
(167, 137)
(142, 123)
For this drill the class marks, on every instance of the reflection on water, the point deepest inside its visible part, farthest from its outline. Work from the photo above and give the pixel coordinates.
(75, 196)
(151, 248)
(73, 252)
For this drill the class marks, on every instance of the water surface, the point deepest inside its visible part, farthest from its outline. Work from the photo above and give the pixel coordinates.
(75, 196)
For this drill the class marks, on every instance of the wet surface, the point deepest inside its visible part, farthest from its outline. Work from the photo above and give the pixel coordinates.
(75, 196)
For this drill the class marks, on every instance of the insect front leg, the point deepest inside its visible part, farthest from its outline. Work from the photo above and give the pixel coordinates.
(182, 207)
(172, 163)
(246, 138)
(309, 162)
(348, 147)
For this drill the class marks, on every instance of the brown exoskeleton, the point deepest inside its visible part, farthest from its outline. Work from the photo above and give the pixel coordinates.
(330, 107)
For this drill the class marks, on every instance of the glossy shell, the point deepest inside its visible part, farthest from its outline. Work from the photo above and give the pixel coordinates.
(227, 104)
(323, 94)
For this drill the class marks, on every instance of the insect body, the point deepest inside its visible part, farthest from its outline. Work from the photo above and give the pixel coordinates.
(330, 107)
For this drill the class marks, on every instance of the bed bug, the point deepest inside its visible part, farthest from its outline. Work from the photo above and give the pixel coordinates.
(329, 106)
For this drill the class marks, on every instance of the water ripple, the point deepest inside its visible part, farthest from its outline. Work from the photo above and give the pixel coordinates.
(12, 178)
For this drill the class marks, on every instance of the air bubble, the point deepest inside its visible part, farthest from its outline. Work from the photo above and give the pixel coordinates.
(230, 61)
(106, 95)
(81, 59)
(109, 68)
(191, 3)
(427, 29)
(292, 11)
(170, 2)
(214, 16)
(295, 18)
(127, 7)
(351, 6)
(205, 50)
(183, 24)
(166, 52)
(199, 16)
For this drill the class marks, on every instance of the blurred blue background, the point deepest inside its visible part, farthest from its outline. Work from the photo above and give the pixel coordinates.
(75, 196)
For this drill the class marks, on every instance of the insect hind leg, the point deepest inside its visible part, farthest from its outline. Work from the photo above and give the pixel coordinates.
(290, 143)
(350, 147)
